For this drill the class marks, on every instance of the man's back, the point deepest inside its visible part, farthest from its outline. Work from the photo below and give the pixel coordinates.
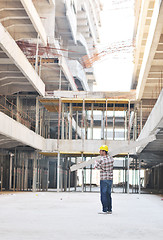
(105, 164)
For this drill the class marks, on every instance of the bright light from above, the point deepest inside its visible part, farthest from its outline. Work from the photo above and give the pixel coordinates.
(114, 71)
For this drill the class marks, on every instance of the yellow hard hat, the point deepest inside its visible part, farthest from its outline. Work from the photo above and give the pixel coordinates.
(104, 148)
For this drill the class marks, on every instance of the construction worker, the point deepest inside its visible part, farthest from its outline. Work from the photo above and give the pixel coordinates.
(105, 165)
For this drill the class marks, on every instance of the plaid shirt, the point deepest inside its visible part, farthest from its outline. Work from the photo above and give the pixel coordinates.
(105, 164)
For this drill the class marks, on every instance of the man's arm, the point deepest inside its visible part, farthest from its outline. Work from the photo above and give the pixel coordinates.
(97, 164)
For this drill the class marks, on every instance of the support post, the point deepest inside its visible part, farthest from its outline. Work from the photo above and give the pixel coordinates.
(37, 116)
(26, 173)
(75, 176)
(82, 176)
(10, 180)
(58, 172)
(77, 122)
(141, 117)
(69, 175)
(34, 172)
(139, 176)
(91, 178)
(106, 120)
(128, 173)
(113, 121)
(63, 121)
(129, 121)
(70, 122)
(92, 121)
(102, 124)
(65, 175)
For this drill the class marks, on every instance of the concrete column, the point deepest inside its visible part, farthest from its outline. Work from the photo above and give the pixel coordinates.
(22, 175)
(75, 185)
(65, 175)
(70, 122)
(77, 123)
(125, 134)
(139, 176)
(102, 124)
(106, 120)
(128, 174)
(69, 175)
(82, 175)
(92, 121)
(47, 174)
(141, 117)
(14, 180)
(83, 121)
(63, 122)
(113, 121)
(129, 121)
(26, 173)
(34, 172)
(18, 104)
(10, 179)
(58, 172)
(90, 178)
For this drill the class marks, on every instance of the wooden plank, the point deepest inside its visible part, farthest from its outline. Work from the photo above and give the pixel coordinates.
(124, 148)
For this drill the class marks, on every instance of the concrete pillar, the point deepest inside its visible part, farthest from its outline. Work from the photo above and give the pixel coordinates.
(90, 178)
(75, 184)
(18, 104)
(65, 175)
(34, 172)
(63, 121)
(102, 124)
(127, 174)
(106, 120)
(77, 123)
(83, 121)
(58, 172)
(70, 122)
(37, 116)
(22, 175)
(113, 121)
(125, 133)
(47, 174)
(129, 121)
(26, 173)
(139, 176)
(82, 175)
(10, 179)
(69, 175)
(92, 121)
(141, 117)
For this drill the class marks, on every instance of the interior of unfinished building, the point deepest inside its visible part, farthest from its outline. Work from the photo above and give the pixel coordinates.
(51, 117)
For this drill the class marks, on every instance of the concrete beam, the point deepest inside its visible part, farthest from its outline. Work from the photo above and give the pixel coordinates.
(18, 132)
(16, 55)
(151, 46)
(155, 119)
(93, 95)
(35, 19)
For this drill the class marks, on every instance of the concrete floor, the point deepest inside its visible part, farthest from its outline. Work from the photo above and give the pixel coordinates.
(75, 216)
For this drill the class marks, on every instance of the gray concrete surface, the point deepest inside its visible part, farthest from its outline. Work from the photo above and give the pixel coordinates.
(75, 216)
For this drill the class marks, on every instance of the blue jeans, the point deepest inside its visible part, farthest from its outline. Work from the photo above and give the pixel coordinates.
(105, 190)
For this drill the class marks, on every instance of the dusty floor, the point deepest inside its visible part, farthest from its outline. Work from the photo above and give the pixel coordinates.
(75, 216)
